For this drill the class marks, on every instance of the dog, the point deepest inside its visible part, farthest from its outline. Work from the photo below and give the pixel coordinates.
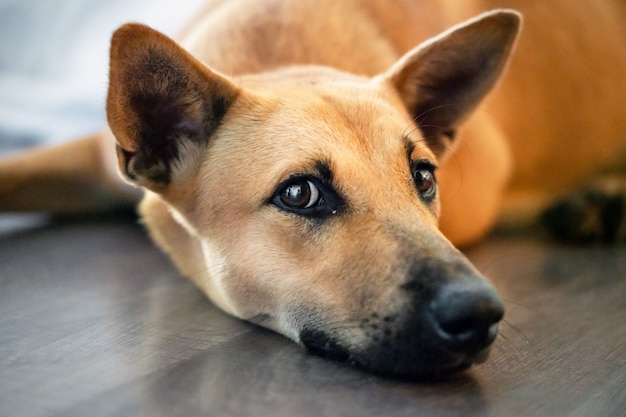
(313, 165)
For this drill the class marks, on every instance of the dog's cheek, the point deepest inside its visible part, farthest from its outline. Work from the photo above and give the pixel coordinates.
(262, 263)
(271, 274)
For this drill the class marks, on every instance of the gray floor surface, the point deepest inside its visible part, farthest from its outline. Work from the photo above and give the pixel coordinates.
(94, 321)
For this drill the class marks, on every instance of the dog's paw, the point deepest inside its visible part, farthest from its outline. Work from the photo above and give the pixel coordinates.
(594, 214)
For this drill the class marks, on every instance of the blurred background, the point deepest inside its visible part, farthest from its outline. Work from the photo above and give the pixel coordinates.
(54, 63)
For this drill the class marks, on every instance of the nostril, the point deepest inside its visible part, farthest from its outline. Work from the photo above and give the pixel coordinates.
(472, 324)
(459, 326)
(466, 319)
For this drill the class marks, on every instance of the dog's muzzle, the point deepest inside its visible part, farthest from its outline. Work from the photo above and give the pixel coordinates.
(447, 322)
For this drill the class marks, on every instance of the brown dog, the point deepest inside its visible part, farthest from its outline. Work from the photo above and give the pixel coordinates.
(293, 179)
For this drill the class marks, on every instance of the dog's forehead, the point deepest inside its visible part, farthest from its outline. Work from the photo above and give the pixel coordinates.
(297, 76)
(324, 107)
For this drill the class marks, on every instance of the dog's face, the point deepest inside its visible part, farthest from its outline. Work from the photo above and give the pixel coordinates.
(312, 194)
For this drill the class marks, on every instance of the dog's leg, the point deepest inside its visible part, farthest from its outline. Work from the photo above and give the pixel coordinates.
(594, 213)
(76, 177)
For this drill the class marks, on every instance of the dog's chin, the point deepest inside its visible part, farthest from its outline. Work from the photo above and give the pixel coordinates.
(441, 368)
(430, 365)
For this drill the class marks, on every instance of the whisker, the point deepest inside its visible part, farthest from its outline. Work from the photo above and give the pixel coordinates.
(423, 114)
(534, 310)
(528, 346)
(207, 270)
(517, 331)
(510, 346)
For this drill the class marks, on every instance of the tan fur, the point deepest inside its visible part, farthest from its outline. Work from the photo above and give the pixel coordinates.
(559, 106)
(298, 88)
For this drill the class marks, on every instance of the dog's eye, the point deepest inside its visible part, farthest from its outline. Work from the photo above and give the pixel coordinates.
(424, 177)
(308, 196)
(298, 195)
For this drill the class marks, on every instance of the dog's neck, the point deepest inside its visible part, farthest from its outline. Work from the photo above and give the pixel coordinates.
(271, 43)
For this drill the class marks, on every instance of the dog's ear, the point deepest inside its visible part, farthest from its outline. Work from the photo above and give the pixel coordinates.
(163, 106)
(443, 80)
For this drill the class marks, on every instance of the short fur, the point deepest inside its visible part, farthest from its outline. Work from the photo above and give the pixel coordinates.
(266, 106)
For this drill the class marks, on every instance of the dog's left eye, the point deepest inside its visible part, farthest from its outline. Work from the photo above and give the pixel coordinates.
(298, 195)
(424, 177)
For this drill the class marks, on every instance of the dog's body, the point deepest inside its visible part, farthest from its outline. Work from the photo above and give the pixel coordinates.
(302, 197)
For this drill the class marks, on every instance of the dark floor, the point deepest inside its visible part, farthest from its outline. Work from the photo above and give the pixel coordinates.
(94, 321)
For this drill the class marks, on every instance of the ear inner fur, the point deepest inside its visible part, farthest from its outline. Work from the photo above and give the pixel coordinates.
(160, 100)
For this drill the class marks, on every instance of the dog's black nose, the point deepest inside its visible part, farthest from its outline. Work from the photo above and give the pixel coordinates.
(466, 316)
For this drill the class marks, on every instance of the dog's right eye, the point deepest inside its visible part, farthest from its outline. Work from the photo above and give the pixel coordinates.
(307, 196)
(299, 195)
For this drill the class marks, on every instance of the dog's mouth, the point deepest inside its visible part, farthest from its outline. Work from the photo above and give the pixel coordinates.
(424, 361)
(425, 340)
(449, 365)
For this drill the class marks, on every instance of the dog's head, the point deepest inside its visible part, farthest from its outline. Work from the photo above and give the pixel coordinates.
(310, 194)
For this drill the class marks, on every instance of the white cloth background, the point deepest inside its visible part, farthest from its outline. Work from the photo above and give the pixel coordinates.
(54, 63)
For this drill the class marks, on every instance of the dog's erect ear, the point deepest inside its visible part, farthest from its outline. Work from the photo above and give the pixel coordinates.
(163, 105)
(443, 80)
